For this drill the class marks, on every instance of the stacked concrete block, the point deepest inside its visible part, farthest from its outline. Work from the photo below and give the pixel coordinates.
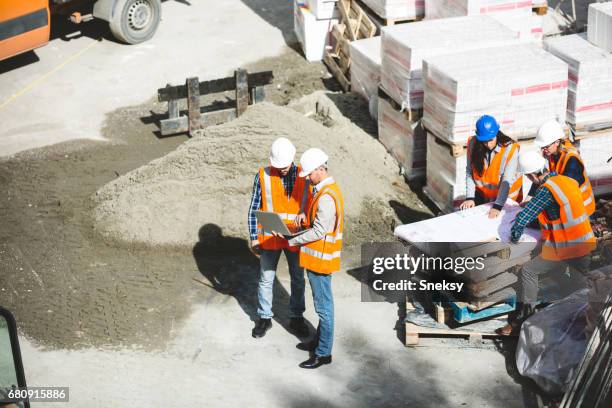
(520, 85)
(599, 28)
(397, 9)
(312, 33)
(365, 67)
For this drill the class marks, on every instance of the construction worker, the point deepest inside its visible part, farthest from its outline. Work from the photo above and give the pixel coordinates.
(563, 158)
(278, 188)
(567, 236)
(491, 172)
(320, 248)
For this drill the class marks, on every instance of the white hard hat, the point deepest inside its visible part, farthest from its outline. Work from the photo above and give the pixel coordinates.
(531, 162)
(282, 153)
(311, 159)
(549, 133)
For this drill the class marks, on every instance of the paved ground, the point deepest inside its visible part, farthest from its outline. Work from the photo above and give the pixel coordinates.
(214, 359)
(62, 91)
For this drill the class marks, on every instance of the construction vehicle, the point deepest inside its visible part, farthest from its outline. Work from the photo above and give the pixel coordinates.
(26, 24)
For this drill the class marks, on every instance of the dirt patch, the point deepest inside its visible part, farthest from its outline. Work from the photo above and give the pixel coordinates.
(69, 287)
(208, 179)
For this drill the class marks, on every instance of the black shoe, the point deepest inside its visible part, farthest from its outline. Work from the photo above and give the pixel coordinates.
(308, 345)
(298, 326)
(316, 362)
(261, 327)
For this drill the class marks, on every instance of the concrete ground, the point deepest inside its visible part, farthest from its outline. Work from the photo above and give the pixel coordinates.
(64, 90)
(214, 362)
(211, 359)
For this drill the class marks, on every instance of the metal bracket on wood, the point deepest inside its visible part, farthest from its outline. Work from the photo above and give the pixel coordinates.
(249, 89)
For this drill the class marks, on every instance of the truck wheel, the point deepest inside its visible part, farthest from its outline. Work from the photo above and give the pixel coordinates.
(135, 21)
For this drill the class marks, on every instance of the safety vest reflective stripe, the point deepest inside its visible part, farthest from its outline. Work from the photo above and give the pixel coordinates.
(321, 255)
(504, 160)
(568, 224)
(562, 197)
(267, 182)
(564, 244)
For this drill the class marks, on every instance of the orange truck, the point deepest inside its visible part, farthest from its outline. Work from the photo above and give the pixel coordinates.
(25, 24)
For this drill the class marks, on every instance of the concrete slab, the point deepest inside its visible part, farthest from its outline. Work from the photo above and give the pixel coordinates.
(75, 82)
(213, 361)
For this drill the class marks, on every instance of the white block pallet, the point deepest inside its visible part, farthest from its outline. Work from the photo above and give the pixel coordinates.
(365, 67)
(403, 138)
(393, 11)
(520, 85)
(599, 28)
(590, 80)
(405, 46)
(312, 33)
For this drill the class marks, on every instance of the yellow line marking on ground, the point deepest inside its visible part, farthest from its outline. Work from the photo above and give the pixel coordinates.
(45, 76)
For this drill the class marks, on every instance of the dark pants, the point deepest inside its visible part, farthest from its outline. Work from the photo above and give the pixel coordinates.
(529, 277)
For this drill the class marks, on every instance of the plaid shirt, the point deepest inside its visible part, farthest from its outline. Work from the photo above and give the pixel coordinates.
(288, 183)
(542, 201)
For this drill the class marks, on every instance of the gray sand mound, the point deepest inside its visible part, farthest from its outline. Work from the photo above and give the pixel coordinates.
(208, 179)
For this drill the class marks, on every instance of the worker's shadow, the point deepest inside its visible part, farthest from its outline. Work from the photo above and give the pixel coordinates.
(233, 270)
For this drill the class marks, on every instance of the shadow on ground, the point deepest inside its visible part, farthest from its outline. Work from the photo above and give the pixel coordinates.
(233, 270)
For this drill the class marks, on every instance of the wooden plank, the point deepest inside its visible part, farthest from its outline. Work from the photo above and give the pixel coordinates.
(217, 117)
(174, 126)
(173, 109)
(413, 333)
(242, 92)
(337, 72)
(193, 104)
(214, 86)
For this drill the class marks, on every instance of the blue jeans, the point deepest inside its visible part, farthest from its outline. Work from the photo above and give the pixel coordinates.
(268, 262)
(324, 306)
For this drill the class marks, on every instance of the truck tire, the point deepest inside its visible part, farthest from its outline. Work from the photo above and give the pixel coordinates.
(135, 21)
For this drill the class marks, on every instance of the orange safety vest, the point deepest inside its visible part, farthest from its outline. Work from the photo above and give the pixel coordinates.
(487, 183)
(570, 236)
(323, 256)
(558, 167)
(274, 198)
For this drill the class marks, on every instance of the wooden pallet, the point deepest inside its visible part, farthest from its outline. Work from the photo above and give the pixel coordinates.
(248, 90)
(443, 315)
(411, 114)
(540, 10)
(354, 25)
(382, 21)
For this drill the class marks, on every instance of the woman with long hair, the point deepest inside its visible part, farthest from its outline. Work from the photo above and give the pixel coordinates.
(492, 167)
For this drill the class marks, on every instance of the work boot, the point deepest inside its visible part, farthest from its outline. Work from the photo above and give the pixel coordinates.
(261, 327)
(316, 362)
(298, 326)
(514, 327)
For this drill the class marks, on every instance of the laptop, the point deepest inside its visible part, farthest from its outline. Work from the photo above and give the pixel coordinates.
(271, 221)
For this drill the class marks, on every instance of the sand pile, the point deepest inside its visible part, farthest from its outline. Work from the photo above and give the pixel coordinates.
(208, 179)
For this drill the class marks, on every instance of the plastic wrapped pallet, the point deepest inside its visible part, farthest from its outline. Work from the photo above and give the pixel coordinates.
(365, 67)
(323, 9)
(455, 8)
(590, 79)
(397, 9)
(528, 27)
(405, 140)
(521, 85)
(599, 29)
(312, 33)
(405, 46)
(595, 152)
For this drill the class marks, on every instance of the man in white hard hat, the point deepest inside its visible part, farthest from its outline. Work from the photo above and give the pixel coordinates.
(320, 250)
(563, 158)
(278, 188)
(567, 236)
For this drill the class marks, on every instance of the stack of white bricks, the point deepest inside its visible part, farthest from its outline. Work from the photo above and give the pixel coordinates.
(312, 23)
(599, 29)
(365, 67)
(515, 14)
(405, 46)
(521, 85)
(590, 79)
(397, 9)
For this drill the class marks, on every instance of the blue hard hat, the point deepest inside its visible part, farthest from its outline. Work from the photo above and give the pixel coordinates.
(486, 128)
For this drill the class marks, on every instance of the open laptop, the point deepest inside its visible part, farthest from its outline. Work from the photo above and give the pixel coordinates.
(271, 221)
